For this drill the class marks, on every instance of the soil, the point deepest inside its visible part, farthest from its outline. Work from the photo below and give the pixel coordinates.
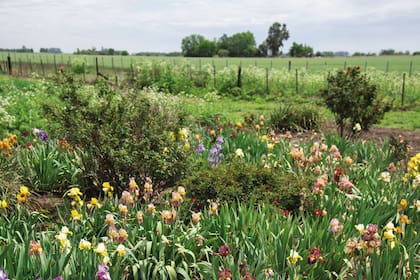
(378, 134)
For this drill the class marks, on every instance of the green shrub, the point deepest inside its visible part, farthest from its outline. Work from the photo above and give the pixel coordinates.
(295, 118)
(123, 134)
(245, 182)
(352, 99)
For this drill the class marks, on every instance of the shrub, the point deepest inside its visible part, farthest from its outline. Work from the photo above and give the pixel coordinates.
(289, 117)
(352, 99)
(122, 134)
(241, 181)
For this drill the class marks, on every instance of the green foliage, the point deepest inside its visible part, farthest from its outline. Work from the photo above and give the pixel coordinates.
(49, 167)
(300, 50)
(196, 45)
(121, 134)
(276, 35)
(241, 181)
(353, 99)
(79, 66)
(295, 118)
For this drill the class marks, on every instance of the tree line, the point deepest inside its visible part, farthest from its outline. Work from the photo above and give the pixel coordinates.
(241, 44)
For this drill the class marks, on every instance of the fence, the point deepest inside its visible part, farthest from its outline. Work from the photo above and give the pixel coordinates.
(267, 81)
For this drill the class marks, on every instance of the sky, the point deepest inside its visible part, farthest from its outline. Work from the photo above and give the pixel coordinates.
(160, 25)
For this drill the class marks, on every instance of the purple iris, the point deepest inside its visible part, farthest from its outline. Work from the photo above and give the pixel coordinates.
(103, 273)
(3, 275)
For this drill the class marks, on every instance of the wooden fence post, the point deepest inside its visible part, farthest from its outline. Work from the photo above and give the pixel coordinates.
(239, 82)
(403, 90)
(411, 69)
(290, 65)
(267, 90)
(297, 82)
(9, 64)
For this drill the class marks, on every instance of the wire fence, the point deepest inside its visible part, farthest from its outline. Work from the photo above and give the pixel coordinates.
(259, 76)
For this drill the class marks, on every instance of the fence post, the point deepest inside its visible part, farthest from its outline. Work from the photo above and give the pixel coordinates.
(306, 65)
(97, 67)
(271, 64)
(20, 67)
(42, 67)
(55, 65)
(290, 65)
(403, 90)
(112, 62)
(297, 82)
(214, 75)
(387, 66)
(345, 65)
(239, 83)
(30, 66)
(267, 90)
(9, 64)
(411, 69)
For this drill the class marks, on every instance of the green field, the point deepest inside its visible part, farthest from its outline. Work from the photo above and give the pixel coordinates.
(407, 64)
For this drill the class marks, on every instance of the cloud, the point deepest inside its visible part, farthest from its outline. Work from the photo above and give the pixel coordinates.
(160, 25)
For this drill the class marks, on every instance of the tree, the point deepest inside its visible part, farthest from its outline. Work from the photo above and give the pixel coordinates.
(276, 35)
(299, 50)
(242, 44)
(353, 100)
(262, 49)
(196, 45)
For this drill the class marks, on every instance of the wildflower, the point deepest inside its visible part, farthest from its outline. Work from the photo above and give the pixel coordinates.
(404, 220)
(94, 203)
(76, 216)
(167, 216)
(85, 245)
(351, 245)
(3, 204)
(127, 198)
(402, 205)
(223, 251)
(200, 148)
(345, 184)
(62, 237)
(215, 154)
(360, 228)
(23, 194)
(176, 199)
(314, 255)
(335, 226)
(212, 133)
(213, 208)
(181, 191)
(224, 274)
(34, 248)
(200, 240)
(74, 193)
(268, 272)
(297, 153)
(150, 209)
(294, 256)
(270, 146)
(385, 176)
(58, 278)
(348, 160)
(239, 153)
(317, 212)
(120, 250)
(107, 188)
(132, 185)
(357, 127)
(101, 249)
(148, 187)
(183, 134)
(3, 275)
(195, 218)
(103, 272)
(123, 235)
(109, 220)
(187, 146)
(123, 209)
(371, 238)
(139, 217)
(238, 125)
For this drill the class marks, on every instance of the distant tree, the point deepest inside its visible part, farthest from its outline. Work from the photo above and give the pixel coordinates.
(111, 51)
(262, 50)
(387, 52)
(416, 53)
(124, 53)
(196, 45)
(276, 35)
(299, 50)
(242, 44)
(43, 50)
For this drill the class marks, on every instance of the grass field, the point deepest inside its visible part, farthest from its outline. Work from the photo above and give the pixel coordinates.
(407, 64)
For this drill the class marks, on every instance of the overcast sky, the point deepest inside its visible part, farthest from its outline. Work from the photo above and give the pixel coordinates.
(160, 25)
